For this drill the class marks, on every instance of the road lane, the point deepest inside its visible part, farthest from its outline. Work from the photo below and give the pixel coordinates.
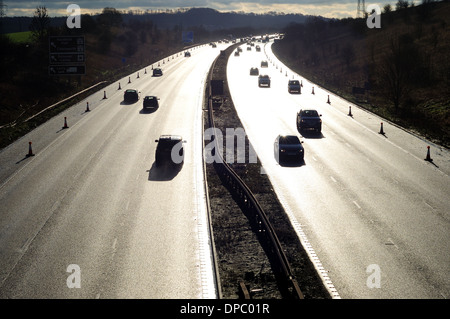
(92, 197)
(361, 198)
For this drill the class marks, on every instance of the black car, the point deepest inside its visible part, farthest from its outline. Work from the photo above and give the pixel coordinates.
(264, 64)
(309, 120)
(150, 102)
(288, 147)
(187, 54)
(169, 150)
(254, 71)
(157, 72)
(294, 86)
(130, 96)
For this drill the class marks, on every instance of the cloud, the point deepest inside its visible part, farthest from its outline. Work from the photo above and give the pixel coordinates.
(327, 8)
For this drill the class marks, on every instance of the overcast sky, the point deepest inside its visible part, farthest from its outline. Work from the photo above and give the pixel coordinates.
(326, 8)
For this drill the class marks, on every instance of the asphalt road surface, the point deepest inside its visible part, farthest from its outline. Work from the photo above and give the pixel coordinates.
(90, 216)
(371, 211)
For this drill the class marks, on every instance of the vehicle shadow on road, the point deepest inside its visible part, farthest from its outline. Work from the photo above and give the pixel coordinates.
(147, 111)
(127, 103)
(163, 173)
(312, 135)
(291, 163)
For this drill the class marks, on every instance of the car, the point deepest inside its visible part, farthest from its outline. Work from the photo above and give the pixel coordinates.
(309, 119)
(239, 49)
(187, 54)
(254, 71)
(264, 80)
(264, 64)
(249, 48)
(150, 102)
(157, 72)
(169, 150)
(236, 53)
(288, 147)
(294, 86)
(258, 48)
(130, 96)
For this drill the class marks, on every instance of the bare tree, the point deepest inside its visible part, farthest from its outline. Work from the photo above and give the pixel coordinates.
(40, 24)
(394, 71)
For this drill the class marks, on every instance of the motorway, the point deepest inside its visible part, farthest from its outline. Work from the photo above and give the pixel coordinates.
(372, 213)
(90, 216)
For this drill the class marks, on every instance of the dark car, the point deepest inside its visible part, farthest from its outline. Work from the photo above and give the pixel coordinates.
(130, 96)
(264, 64)
(254, 71)
(309, 120)
(150, 102)
(236, 53)
(169, 150)
(187, 54)
(157, 72)
(288, 147)
(294, 86)
(264, 80)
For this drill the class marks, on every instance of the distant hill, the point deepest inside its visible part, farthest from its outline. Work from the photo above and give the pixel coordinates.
(208, 18)
(213, 20)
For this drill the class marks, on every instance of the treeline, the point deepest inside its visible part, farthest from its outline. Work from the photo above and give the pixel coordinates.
(401, 70)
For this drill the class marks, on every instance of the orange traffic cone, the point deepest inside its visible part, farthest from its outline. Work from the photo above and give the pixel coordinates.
(30, 151)
(65, 123)
(428, 158)
(381, 129)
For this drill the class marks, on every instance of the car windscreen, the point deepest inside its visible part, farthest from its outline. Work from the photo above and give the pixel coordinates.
(289, 140)
(310, 113)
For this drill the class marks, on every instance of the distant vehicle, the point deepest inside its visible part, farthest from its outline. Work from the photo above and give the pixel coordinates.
(264, 64)
(264, 80)
(157, 72)
(130, 96)
(294, 86)
(258, 48)
(187, 54)
(254, 71)
(169, 150)
(288, 147)
(150, 102)
(249, 48)
(239, 49)
(236, 53)
(309, 120)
